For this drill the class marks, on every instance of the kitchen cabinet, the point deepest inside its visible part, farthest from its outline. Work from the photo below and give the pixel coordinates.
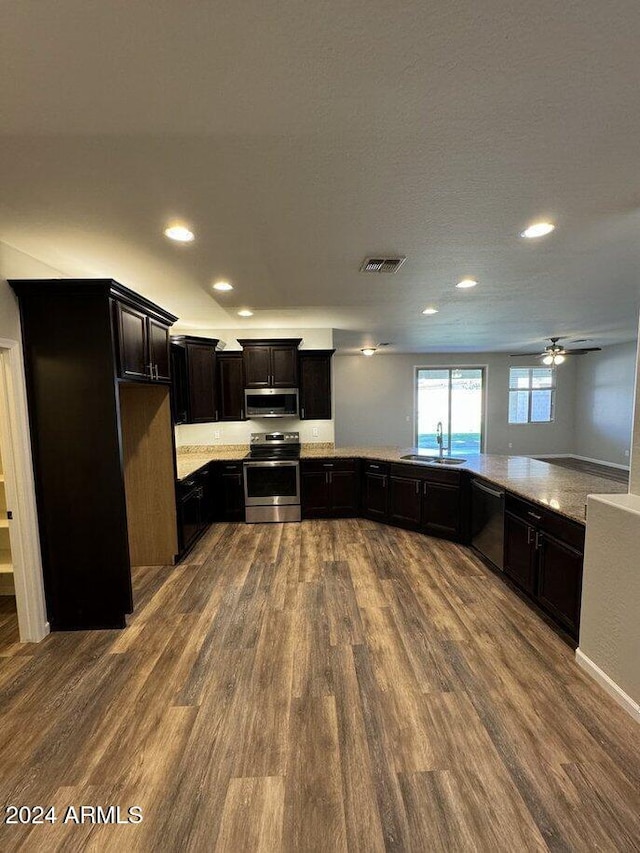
(194, 508)
(231, 386)
(315, 384)
(544, 556)
(142, 340)
(442, 504)
(375, 490)
(102, 443)
(230, 487)
(270, 363)
(405, 498)
(195, 385)
(330, 488)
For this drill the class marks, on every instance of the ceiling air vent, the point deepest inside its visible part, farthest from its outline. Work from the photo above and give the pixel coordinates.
(389, 265)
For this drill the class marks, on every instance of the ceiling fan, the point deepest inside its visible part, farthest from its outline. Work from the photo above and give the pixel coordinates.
(554, 353)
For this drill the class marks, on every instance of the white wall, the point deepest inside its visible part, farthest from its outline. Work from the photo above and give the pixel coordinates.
(604, 403)
(634, 480)
(374, 402)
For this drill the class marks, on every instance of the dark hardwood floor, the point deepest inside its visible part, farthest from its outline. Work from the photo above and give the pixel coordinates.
(620, 475)
(324, 686)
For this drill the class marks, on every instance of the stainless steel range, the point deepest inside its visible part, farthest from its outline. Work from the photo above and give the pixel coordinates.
(272, 477)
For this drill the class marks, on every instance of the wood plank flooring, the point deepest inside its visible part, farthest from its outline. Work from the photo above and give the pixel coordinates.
(620, 475)
(324, 686)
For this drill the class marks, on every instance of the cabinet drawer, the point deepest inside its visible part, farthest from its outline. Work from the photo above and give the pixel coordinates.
(329, 464)
(381, 468)
(230, 467)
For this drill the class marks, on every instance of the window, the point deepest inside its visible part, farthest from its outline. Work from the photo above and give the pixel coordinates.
(531, 395)
(454, 397)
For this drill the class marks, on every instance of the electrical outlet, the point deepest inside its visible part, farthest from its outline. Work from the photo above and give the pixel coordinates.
(216, 433)
(626, 453)
(510, 445)
(314, 432)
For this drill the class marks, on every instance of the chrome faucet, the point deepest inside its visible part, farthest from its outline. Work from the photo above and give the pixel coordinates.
(439, 439)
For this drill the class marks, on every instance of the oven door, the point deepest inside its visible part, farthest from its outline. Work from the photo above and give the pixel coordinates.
(272, 483)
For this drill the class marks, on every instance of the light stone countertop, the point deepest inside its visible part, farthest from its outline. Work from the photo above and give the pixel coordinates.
(552, 486)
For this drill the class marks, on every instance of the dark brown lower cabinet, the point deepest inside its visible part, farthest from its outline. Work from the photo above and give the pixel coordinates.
(560, 580)
(330, 488)
(405, 500)
(519, 551)
(195, 496)
(441, 509)
(230, 491)
(543, 554)
(375, 491)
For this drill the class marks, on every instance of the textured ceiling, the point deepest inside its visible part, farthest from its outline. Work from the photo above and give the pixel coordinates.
(297, 138)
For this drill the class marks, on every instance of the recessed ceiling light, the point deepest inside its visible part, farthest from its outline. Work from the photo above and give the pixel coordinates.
(245, 313)
(538, 229)
(179, 233)
(222, 285)
(430, 311)
(466, 282)
(368, 350)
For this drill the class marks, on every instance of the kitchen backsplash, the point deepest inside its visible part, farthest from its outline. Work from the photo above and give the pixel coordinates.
(215, 434)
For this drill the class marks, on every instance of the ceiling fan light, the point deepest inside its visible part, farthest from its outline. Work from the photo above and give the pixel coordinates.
(368, 350)
(559, 358)
(548, 359)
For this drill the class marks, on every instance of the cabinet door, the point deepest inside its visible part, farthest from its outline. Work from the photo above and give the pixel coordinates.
(231, 387)
(345, 493)
(179, 385)
(133, 356)
(159, 350)
(315, 387)
(284, 367)
(190, 518)
(232, 492)
(315, 493)
(257, 366)
(374, 497)
(405, 500)
(441, 509)
(560, 580)
(201, 362)
(519, 551)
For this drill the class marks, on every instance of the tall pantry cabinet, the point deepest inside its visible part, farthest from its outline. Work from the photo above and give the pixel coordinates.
(98, 381)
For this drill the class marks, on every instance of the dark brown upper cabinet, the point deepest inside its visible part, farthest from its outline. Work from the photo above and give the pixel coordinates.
(270, 363)
(231, 386)
(195, 390)
(142, 340)
(315, 384)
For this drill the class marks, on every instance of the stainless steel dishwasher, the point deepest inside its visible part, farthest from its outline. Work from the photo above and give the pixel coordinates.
(487, 521)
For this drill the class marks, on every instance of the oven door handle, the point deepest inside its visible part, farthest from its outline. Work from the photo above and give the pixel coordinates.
(272, 463)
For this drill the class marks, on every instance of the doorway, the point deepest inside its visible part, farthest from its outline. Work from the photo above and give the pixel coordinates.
(21, 585)
(454, 397)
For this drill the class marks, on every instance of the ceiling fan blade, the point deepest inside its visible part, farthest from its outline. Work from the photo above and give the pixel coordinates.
(582, 350)
(527, 354)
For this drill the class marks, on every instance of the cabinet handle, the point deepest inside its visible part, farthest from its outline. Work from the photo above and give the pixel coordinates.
(327, 464)
(150, 366)
(384, 481)
(302, 413)
(424, 491)
(529, 532)
(326, 477)
(538, 542)
(417, 487)
(241, 414)
(533, 515)
(374, 467)
(216, 414)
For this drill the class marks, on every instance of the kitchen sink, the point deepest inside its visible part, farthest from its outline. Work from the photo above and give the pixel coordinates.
(433, 460)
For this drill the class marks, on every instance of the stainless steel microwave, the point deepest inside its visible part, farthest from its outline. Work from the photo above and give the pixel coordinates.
(271, 402)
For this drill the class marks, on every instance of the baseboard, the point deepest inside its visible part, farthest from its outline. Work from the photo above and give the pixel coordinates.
(600, 462)
(630, 706)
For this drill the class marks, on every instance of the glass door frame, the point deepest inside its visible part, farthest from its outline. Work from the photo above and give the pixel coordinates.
(483, 368)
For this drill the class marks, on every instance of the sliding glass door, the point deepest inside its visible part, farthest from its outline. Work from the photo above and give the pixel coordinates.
(453, 396)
